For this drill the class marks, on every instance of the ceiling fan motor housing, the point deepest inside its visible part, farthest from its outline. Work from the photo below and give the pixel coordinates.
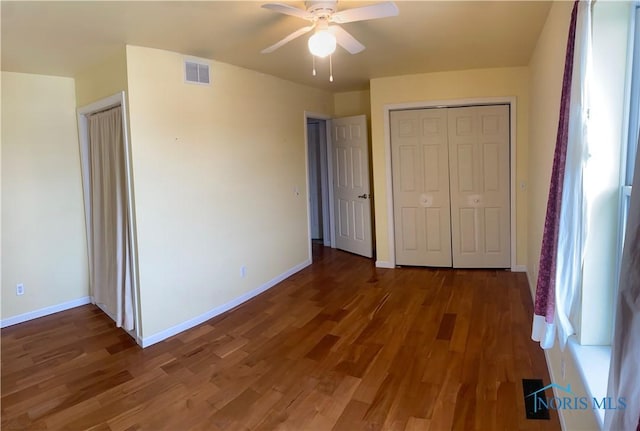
(321, 9)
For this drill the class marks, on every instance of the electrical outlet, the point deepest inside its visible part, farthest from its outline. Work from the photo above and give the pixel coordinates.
(243, 271)
(19, 289)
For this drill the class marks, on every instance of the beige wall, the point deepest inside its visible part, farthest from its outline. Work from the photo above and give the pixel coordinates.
(448, 86)
(546, 70)
(351, 103)
(102, 80)
(216, 171)
(43, 233)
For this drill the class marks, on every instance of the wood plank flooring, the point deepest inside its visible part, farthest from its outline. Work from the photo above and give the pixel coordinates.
(339, 346)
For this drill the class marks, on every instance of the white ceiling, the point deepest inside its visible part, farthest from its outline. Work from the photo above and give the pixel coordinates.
(64, 38)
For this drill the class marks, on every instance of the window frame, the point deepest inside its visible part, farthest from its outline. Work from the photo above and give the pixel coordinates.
(632, 132)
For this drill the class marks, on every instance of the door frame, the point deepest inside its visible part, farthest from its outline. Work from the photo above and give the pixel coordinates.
(329, 221)
(452, 103)
(118, 99)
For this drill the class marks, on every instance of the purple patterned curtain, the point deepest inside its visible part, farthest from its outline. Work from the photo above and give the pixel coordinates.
(545, 289)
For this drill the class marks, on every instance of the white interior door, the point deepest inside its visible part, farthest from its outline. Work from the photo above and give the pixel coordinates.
(351, 192)
(420, 169)
(479, 173)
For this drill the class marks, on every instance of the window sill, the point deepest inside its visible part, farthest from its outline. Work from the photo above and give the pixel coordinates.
(593, 365)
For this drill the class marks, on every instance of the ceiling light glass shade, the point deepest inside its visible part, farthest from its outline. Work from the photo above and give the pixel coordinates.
(322, 43)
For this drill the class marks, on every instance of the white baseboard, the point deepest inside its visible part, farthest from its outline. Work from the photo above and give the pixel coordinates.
(20, 318)
(519, 268)
(384, 264)
(560, 412)
(532, 287)
(170, 332)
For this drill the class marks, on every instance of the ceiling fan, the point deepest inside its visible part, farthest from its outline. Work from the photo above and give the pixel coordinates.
(325, 17)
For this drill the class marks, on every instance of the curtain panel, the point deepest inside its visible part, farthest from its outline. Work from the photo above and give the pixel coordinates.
(544, 320)
(110, 254)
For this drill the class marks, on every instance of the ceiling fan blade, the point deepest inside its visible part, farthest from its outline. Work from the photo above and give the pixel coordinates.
(288, 39)
(287, 10)
(380, 10)
(345, 40)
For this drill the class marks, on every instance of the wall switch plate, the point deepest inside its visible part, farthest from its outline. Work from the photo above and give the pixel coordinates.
(19, 289)
(243, 271)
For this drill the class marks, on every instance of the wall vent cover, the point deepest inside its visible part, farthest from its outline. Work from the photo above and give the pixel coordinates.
(197, 73)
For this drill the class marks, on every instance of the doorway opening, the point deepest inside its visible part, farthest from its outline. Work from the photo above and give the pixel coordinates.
(108, 200)
(318, 181)
(338, 183)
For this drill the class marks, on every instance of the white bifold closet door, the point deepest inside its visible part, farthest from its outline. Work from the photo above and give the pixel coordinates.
(451, 186)
(420, 167)
(479, 184)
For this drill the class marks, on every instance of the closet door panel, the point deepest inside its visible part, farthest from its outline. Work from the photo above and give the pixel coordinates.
(420, 173)
(479, 184)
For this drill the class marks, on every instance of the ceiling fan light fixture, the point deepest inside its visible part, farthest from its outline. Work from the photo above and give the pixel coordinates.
(322, 43)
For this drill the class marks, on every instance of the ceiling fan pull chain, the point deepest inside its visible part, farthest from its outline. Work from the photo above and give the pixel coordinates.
(313, 57)
(330, 69)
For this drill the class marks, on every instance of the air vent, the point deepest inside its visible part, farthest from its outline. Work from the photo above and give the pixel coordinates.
(196, 73)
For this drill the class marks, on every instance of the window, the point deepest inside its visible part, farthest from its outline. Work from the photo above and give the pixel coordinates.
(633, 133)
(606, 169)
(614, 123)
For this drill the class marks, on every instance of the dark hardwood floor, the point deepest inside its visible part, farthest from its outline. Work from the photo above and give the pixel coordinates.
(339, 346)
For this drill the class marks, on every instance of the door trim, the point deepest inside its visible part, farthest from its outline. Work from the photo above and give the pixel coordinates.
(327, 119)
(387, 108)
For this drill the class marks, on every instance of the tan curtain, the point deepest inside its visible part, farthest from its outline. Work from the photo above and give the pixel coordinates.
(110, 256)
